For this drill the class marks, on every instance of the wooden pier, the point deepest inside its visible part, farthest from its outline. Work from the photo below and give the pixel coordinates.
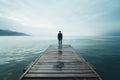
(60, 64)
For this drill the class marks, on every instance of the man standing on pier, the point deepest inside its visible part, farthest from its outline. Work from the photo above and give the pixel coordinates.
(60, 37)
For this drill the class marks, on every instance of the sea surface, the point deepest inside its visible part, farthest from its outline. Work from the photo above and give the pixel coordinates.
(102, 52)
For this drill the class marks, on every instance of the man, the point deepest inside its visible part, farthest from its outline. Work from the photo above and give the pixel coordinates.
(60, 37)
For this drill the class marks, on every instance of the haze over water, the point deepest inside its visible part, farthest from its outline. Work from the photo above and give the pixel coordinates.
(18, 52)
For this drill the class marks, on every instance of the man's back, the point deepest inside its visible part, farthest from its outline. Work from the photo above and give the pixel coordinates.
(59, 36)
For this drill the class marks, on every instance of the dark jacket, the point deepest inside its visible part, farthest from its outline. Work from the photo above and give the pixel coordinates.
(60, 36)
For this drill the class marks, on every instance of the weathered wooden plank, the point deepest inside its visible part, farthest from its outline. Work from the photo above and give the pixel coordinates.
(67, 66)
(62, 56)
(60, 71)
(65, 63)
(61, 68)
(57, 53)
(59, 60)
(62, 75)
(50, 54)
(61, 79)
(92, 78)
(56, 58)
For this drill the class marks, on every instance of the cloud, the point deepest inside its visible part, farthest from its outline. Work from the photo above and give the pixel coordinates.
(73, 17)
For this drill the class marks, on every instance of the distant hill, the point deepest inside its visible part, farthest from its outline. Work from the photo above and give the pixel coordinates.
(11, 33)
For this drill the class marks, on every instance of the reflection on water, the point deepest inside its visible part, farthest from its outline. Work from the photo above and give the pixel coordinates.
(58, 65)
(60, 54)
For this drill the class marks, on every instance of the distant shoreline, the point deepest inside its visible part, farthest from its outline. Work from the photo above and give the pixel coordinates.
(11, 33)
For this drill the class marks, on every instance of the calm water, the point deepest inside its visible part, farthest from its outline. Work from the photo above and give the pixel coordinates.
(17, 52)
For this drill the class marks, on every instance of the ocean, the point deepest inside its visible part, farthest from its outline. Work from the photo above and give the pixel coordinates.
(103, 52)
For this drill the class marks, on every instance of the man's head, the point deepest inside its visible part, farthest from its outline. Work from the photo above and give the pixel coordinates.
(59, 31)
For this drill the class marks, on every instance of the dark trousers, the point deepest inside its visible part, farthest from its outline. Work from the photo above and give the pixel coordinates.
(60, 43)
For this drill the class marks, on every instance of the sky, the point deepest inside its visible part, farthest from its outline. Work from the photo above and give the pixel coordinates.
(72, 17)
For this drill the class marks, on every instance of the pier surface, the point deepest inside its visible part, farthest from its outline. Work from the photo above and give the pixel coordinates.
(60, 64)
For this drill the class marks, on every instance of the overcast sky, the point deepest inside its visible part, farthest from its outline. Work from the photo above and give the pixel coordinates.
(72, 17)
